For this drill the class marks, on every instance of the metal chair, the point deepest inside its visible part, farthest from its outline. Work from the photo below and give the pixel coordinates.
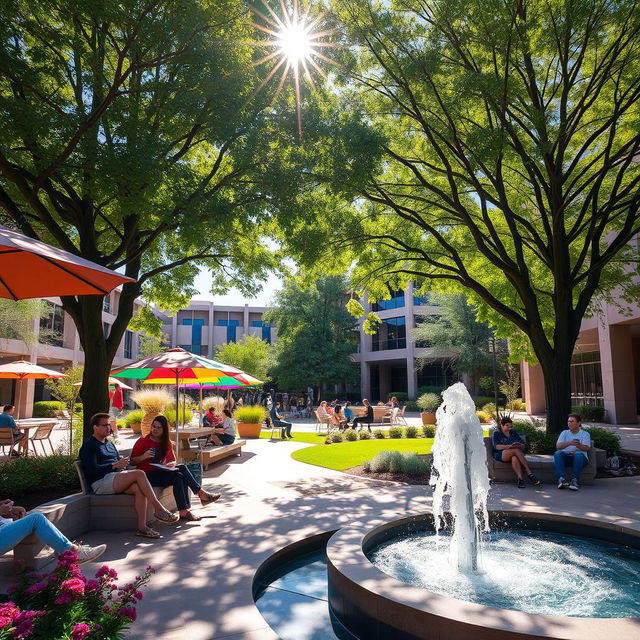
(400, 419)
(42, 435)
(323, 421)
(392, 417)
(7, 440)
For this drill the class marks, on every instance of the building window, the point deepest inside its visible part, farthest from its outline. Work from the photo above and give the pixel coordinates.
(52, 325)
(106, 303)
(266, 329)
(196, 325)
(231, 325)
(586, 379)
(396, 302)
(436, 374)
(391, 334)
(128, 342)
(422, 300)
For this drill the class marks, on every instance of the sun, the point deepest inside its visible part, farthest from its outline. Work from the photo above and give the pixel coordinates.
(296, 38)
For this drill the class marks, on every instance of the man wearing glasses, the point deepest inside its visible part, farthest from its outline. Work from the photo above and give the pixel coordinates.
(105, 471)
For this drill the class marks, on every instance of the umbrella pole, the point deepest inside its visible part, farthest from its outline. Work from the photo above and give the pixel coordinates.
(200, 405)
(177, 417)
(19, 385)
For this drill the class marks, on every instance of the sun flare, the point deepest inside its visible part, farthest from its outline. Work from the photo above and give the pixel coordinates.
(296, 38)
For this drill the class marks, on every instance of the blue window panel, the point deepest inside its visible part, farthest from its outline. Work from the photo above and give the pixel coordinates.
(231, 325)
(421, 300)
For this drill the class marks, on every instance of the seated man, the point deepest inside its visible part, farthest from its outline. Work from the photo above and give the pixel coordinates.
(572, 447)
(276, 419)
(226, 432)
(367, 418)
(15, 526)
(7, 421)
(104, 468)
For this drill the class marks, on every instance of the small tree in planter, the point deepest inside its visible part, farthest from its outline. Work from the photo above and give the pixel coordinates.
(428, 403)
(249, 420)
(67, 390)
(153, 401)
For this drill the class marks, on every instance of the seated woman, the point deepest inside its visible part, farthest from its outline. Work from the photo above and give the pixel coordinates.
(15, 526)
(156, 448)
(348, 412)
(508, 446)
(337, 418)
(226, 432)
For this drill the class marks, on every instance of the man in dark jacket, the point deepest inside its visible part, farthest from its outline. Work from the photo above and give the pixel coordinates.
(367, 418)
(276, 419)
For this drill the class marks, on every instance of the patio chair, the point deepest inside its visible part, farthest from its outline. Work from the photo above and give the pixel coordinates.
(392, 417)
(323, 421)
(7, 440)
(400, 419)
(63, 418)
(42, 435)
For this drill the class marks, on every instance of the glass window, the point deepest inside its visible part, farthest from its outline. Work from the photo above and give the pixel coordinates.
(128, 342)
(266, 329)
(421, 300)
(231, 325)
(396, 302)
(391, 334)
(586, 379)
(52, 325)
(106, 304)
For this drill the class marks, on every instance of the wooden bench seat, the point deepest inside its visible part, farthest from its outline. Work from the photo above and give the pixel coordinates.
(209, 456)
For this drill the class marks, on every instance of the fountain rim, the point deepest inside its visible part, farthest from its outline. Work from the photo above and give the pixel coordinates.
(348, 565)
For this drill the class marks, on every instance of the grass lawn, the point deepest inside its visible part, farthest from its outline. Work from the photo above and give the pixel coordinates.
(345, 455)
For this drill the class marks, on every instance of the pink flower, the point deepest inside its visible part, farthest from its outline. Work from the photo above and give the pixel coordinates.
(129, 612)
(92, 586)
(5, 621)
(107, 573)
(63, 598)
(68, 558)
(9, 610)
(24, 624)
(80, 631)
(139, 595)
(37, 587)
(74, 585)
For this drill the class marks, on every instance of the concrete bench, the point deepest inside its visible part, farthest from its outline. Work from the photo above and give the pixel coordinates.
(209, 456)
(541, 465)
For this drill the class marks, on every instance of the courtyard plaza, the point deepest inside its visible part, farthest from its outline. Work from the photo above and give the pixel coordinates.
(203, 585)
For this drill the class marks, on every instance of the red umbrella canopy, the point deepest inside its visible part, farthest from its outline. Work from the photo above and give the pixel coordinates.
(32, 269)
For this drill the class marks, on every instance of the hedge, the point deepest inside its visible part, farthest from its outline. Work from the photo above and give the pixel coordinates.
(23, 476)
(48, 408)
(589, 412)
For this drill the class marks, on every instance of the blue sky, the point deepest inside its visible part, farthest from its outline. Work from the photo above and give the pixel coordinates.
(263, 299)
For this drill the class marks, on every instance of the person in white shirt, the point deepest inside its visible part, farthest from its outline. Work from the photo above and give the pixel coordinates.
(572, 447)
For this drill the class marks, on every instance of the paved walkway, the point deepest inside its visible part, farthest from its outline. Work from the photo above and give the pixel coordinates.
(202, 588)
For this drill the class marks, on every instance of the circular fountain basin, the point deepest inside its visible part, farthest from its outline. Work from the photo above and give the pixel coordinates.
(372, 604)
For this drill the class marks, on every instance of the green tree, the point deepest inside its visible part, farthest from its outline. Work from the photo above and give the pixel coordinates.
(252, 354)
(509, 132)
(316, 334)
(67, 390)
(131, 134)
(17, 318)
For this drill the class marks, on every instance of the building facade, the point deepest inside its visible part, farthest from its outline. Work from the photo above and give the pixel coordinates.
(204, 325)
(56, 346)
(388, 358)
(605, 368)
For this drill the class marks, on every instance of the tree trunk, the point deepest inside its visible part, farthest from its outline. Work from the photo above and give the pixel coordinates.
(557, 386)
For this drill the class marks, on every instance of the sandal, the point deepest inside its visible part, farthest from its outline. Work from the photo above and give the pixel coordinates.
(533, 480)
(167, 516)
(211, 497)
(148, 533)
(190, 517)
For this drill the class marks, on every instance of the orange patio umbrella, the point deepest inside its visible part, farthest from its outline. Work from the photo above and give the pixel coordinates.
(22, 370)
(32, 269)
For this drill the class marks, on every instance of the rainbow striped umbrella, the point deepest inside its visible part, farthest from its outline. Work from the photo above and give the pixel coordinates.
(177, 366)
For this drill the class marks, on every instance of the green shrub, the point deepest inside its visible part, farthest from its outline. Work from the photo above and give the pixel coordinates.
(429, 430)
(364, 435)
(400, 395)
(490, 408)
(429, 402)
(517, 405)
(251, 414)
(395, 432)
(430, 389)
(396, 460)
(328, 440)
(23, 476)
(604, 439)
(486, 383)
(411, 405)
(350, 435)
(415, 465)
(133, 416)
(380, 462)
(589, 412)
(185, 416)
(537, 439)
(366, 465)
(480, 401)
(411, 431)
(378, 434)
(483, 416)
(47, 408)
(336, 436)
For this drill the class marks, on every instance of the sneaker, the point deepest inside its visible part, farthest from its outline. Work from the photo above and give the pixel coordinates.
(521, 484)
(573, 485)
(533, 480)
(88, 554)
(562, 483)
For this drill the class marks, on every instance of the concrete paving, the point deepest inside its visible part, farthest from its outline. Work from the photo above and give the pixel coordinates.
(203, 585)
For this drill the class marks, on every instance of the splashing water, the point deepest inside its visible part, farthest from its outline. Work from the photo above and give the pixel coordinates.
(460, 476)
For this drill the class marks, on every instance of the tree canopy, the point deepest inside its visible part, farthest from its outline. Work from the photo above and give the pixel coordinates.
(316, 334)
(252, 354)
(506, 171)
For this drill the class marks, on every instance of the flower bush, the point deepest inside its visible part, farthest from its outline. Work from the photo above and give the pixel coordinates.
(66, 605)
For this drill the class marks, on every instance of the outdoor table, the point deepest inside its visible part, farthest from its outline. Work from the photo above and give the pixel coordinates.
(29, 424)
(378, 413)
(184, 435)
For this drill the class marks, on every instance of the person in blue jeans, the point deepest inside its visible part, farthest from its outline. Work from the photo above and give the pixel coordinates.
(572, 447)
(16, 525)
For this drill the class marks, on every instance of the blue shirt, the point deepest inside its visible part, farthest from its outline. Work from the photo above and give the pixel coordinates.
(499, 438)
(97, 458)
(7, 420)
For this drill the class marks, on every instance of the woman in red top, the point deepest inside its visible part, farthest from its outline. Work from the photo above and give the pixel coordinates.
(157, 448)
